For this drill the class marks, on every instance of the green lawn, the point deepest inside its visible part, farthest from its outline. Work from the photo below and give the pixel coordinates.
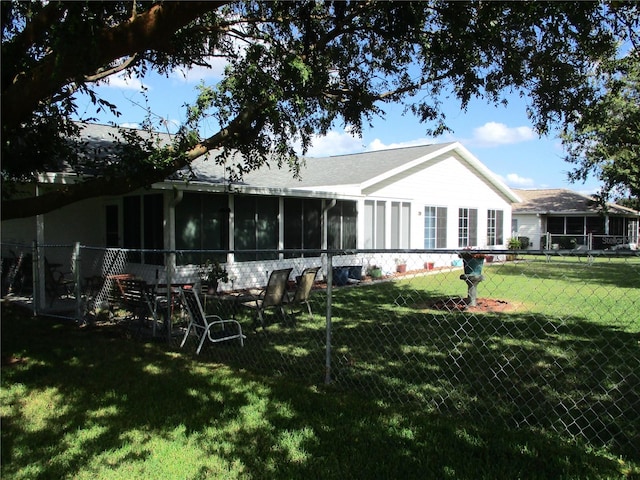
(565, 359)
(415, 392)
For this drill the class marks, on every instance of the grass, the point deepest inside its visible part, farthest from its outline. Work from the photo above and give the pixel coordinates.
(566, 359)
(414, 395)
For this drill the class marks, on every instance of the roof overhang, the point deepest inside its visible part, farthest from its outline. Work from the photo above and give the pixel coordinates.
(205, 187)
(573, 213)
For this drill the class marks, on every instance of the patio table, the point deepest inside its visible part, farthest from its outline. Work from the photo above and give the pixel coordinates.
(161, 295)
(227, 304)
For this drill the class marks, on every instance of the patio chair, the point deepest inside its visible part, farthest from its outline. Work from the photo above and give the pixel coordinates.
(210, 327)
(303, 290)
(273, 295)
(56, 283)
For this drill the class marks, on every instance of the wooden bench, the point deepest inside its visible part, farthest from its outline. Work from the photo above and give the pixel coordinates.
(134, 296)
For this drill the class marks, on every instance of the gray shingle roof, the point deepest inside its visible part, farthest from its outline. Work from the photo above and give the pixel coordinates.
(353, 169)
(341, 174)
(561, 201)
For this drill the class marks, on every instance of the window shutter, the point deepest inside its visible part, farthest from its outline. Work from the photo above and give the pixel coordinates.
(473, 227)
(441, 230)
(499, 227)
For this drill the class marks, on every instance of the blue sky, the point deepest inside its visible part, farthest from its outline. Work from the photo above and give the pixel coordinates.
(500, 137)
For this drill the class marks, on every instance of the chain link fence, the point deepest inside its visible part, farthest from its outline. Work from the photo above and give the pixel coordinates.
(552, 342)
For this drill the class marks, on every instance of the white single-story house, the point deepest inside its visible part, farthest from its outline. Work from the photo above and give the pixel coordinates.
(572, 220)
(425, 197)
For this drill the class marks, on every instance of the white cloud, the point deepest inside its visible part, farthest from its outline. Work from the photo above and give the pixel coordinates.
(159, 125)
(378, 145)
(589, 192)
(342, 143)
(198, 72)
(120, 80)
(130, 125)
(216, 64)
(493, 133)
(335, 143)
(516, 181)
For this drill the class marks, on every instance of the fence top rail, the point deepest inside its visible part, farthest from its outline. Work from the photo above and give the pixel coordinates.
(365, 251)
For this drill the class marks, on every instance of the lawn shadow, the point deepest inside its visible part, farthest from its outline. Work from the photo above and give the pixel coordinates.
(517, 369)
(114, 394)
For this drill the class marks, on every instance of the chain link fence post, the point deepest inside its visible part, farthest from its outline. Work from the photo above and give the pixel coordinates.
(38, 286)
(170, 262)
(551, 343)
(327, 377)
(76, 264)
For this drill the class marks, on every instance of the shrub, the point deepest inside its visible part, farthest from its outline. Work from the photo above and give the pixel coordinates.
(524, 242)
(514, 244)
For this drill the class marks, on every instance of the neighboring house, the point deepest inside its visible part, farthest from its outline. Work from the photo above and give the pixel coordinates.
(432, 196)
(572, 220)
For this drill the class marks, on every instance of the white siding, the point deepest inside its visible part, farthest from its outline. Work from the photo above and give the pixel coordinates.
(80, 222)
(530, 225)
(20, 231)
(448, 182)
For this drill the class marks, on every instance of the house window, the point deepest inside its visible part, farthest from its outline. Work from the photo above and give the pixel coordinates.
(112, 226)
(302, 225)
(467, 227)
(256, 227)
(575, 225)
(595, 225)
(400, 224)
(624, 227)
(131, 222)
(495, 222)
(202, 223)
(616, 226)
(566, 225)
(435, 227)
(143, 227)
(342, 226)
(555, 225)
(632, 230)
(374, 224)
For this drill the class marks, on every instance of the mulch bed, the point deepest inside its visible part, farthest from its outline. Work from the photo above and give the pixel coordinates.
(459, 304)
